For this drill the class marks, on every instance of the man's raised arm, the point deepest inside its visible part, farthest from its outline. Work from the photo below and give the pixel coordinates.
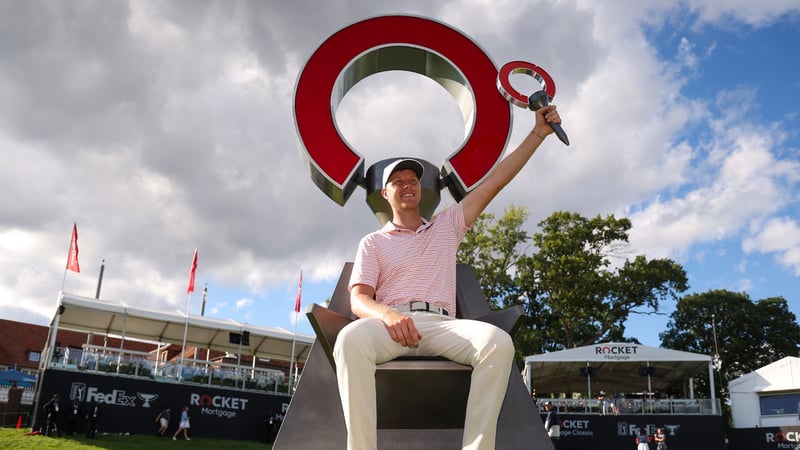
(505, 171)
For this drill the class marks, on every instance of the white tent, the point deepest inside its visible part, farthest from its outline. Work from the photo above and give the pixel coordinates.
(121, 319)
(620, 366)
(777, 386)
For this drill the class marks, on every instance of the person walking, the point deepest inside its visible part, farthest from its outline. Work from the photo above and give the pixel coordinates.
(184, 425)
(53, 409)
(163, 420)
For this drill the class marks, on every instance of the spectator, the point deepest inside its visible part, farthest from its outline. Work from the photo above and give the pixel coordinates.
(603, 403)
(74, 417)
(163, 420)
(642, 439)
(52, 408)
(183, 425)
(91, 420)
(551, 423)
(661, 439)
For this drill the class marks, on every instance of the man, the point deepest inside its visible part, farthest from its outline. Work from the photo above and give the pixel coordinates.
(52, 408)
(661, 439)
(551, 423)
(403, 290)
(601, 403)
(91, 420)
(163, 420)
(74, 417)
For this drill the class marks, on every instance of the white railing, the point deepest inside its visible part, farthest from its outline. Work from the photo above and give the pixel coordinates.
(99, 359)
(705, 407)
(27, 395)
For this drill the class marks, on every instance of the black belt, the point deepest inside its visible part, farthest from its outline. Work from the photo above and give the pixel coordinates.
(421, 306)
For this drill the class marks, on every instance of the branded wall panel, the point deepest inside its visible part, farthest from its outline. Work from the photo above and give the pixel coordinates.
(610, 432)
(766, 438)
(130, 405)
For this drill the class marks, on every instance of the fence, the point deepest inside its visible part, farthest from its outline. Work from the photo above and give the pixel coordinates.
(105, 360)
(27, 395)
(620, 406)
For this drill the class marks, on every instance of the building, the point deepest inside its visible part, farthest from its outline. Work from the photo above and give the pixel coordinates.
(765, 407)
(606, 393)
(134, 362)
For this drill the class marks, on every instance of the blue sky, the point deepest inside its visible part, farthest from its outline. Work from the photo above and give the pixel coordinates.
(161, 127)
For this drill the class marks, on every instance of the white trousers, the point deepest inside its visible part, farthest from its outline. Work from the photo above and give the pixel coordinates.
(365, 342)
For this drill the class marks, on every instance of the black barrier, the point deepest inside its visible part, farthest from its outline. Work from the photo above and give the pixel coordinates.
(593, 432)
(765, 438)
(129, 405)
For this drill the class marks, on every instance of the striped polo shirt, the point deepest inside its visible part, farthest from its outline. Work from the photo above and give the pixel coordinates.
(413, 265)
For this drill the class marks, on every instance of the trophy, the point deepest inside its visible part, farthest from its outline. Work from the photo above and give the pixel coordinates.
(146, 398)
(535, 101)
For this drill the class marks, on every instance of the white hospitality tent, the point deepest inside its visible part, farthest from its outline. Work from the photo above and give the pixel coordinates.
(621, 366)
(768, 396)
(118, 318)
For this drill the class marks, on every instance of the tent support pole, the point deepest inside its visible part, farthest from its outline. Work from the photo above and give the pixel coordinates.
(713, 389)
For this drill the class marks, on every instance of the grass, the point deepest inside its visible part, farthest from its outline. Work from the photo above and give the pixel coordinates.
(12, 438)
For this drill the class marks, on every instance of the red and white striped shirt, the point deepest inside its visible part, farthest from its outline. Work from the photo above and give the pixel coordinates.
(413, 265)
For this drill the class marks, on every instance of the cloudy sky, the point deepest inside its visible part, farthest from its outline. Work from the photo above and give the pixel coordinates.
(164, 126)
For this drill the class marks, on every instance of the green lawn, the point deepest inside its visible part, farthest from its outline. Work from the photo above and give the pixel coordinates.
(11, 438)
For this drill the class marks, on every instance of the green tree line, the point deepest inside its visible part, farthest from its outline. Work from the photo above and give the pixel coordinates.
(579, 284)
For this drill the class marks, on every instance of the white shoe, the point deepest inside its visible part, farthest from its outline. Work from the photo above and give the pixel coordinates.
(188, 439)
(173, 438)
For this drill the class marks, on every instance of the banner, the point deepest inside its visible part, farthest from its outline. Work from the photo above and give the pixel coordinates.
(765, 438)
(611, 432)
(130, 405)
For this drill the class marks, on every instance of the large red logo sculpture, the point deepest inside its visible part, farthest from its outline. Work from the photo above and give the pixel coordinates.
(414, 44)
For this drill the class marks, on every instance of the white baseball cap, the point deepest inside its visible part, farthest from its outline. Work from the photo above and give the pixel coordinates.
(402, 164)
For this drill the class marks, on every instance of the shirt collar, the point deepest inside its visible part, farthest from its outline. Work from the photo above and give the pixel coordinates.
(391, 227)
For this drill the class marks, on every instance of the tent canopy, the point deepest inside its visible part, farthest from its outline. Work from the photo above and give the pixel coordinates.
(10, 376)
(118, 318)
(614, 366)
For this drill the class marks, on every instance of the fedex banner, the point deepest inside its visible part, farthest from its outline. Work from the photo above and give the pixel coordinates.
(130, 405)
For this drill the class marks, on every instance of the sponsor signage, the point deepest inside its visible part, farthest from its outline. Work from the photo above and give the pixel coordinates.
(618, 432)
(130, 405)
(616, 352)
(766, 438)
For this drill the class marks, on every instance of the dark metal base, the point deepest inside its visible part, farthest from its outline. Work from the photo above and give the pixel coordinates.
(315, 421)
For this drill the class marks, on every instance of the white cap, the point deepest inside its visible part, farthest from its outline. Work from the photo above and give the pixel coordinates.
(402, 164)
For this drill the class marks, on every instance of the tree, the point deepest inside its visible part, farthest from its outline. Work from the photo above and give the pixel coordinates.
(493, 249)
(572, 277)
(748, 335)
(571, 292)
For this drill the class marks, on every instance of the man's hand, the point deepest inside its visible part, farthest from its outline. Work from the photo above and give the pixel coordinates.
(401, 328)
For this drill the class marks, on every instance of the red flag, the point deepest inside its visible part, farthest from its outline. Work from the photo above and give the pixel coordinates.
(72, 258)
(299, 293)
(190, 287)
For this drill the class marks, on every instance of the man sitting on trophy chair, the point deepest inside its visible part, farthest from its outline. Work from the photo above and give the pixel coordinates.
(403, 289)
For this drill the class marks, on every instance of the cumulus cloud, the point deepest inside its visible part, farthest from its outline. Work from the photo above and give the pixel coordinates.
(160, 127)
(779, 236)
